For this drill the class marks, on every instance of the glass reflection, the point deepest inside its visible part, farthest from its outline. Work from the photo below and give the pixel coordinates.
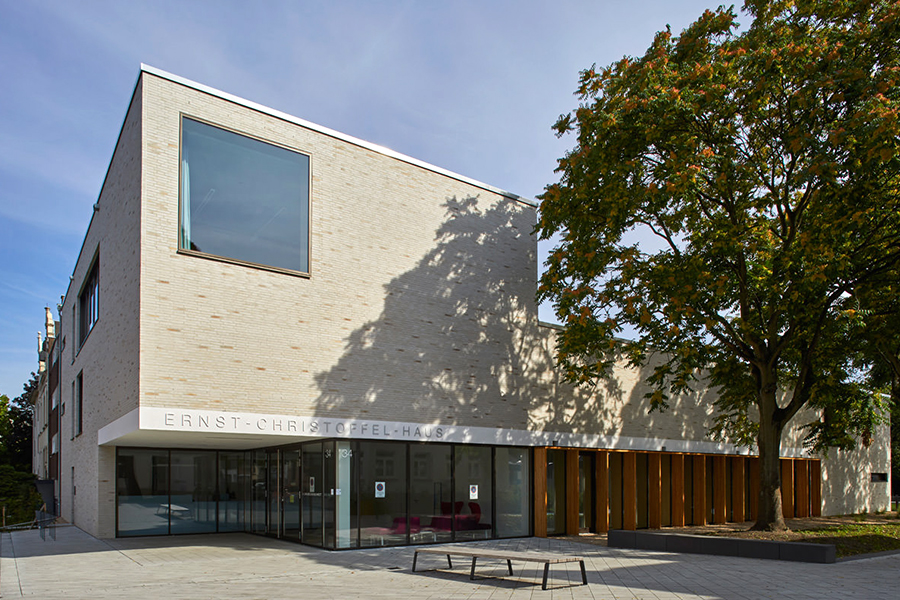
(331, 494)
(258, 494)
(234, 483)
(142, 492)
(243, 199)
(312, 484)
(192, 506)
(431, 507)
(513, 466)
(473, 507)
(346, 526)
(290, 496)
(382, 494)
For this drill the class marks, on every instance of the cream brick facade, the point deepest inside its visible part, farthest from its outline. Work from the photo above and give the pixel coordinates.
(108, 358)
(252, 337)
(419, 309)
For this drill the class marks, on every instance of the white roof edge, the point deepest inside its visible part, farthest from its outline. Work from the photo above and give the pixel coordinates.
(329, 132)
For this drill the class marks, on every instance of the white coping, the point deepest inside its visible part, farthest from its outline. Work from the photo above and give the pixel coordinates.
(282, 429)
(329, 132)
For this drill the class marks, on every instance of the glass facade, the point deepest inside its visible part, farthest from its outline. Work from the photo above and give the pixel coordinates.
(290, 493)
(512, 468)
(346, 502)
(333, 494)
(383, 518)
(142, 491)
(192, 491)
(474, 506)
(234, 485)
(341, 494)
(430, 493)
(313, 498)
(258, 461)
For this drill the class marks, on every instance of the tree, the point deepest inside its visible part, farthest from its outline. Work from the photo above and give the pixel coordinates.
(21, 413)
(4, 426)
(16, 427)
(879, 356)
(17, 491)
(765, 165)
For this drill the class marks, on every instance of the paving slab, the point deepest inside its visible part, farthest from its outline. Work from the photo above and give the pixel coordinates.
(242, 566)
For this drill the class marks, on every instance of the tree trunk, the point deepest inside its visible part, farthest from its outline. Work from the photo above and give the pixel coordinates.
(770, 516)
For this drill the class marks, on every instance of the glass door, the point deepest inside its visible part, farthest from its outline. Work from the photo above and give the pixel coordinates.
(312, 486)
(329, 493)
(258, 477)
(290, 497)
(273, 484)
(345, 511)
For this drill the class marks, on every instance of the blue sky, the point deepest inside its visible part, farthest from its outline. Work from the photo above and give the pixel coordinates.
(472, 87)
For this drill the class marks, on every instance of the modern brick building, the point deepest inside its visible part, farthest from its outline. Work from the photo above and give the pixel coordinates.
(277, 328)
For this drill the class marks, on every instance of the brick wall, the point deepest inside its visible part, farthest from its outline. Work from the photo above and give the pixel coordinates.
(108, 359)
(420, 294)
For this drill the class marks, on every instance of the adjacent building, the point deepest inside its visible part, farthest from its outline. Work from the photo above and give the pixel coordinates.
(277, 328)
(46, 398)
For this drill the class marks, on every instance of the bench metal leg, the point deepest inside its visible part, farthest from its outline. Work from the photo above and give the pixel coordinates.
(415, 558)
(583, 573)
(509, 565)
(449, 562)
(546, 572)
(472, 572)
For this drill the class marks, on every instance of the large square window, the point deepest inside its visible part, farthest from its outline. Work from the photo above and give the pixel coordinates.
(243, 199)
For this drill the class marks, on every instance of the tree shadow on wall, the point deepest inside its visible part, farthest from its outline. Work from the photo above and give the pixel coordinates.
(451, 343)
(615, 407)
(458, 342)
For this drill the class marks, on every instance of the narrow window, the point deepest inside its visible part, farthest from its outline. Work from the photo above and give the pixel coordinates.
(89, 302)
(78, 393)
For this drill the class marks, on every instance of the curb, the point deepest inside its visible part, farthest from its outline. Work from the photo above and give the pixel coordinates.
(722, 546)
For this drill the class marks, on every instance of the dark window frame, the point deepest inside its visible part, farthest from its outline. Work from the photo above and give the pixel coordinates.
(184, 238)
(78, 400)
(89, 302)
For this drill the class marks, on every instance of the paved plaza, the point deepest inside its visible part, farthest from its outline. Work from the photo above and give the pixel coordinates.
(76, 565)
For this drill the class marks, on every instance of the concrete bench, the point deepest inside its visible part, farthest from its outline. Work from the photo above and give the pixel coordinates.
(507, 555)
